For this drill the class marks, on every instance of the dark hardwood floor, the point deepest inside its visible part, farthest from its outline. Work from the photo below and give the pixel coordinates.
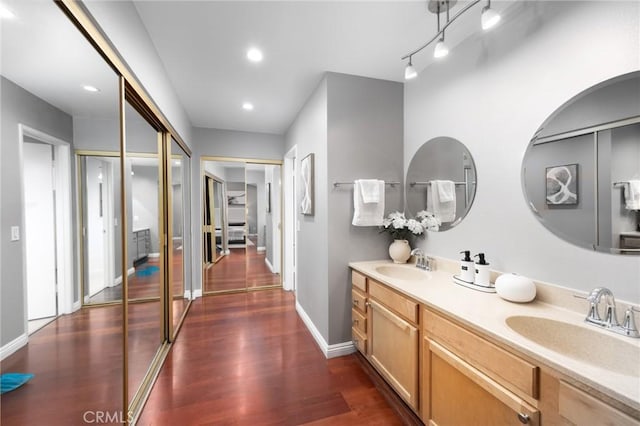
(248, 359)
(241, 269)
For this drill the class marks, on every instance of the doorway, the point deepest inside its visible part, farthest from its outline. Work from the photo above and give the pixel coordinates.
(290, 220)
(46, 227)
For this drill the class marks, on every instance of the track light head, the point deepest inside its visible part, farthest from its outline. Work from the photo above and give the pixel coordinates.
(441, 50)
(489, 18)
(409, 71)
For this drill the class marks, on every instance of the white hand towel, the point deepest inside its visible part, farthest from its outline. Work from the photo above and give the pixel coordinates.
(367, 214)
(632, 195)
(370, 190)
(446, 190)
(445, 211)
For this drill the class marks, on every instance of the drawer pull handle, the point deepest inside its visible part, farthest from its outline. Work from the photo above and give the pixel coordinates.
(356, 302)
(367, 304)
(356, 321)
(524, 418)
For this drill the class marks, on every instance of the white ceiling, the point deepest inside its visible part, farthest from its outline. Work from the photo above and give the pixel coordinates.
(203, 46)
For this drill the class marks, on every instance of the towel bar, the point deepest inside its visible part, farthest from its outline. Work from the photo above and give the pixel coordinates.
(337, 184)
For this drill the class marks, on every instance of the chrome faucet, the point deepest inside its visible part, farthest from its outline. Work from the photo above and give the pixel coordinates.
(610, 321)
(422, 261)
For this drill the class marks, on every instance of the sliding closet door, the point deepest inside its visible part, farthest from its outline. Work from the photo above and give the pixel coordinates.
(145, 267)
(263, 225)
(180, 246)
(224, 198)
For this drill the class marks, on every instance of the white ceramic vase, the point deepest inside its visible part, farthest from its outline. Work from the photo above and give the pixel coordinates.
(400, 251)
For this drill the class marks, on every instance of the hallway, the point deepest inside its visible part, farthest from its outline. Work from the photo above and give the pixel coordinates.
(248, 359)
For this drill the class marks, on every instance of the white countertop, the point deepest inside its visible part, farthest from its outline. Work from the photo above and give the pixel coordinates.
(486, 313)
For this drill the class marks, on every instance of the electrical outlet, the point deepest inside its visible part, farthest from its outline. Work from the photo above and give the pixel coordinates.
(15, 233)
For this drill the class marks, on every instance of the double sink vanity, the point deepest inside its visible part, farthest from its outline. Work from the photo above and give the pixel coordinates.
(458, 356)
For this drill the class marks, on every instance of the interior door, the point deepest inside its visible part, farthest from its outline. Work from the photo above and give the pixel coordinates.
(39, 230)
(95, 227)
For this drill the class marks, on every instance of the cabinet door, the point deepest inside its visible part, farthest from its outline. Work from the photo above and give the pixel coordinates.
(459, 394)
(393, 351)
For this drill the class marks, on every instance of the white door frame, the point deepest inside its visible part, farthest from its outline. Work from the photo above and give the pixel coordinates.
(64, 227)
(290, 220)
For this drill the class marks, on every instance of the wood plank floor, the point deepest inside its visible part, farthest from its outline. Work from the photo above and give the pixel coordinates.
(239, 270)
(247, 359)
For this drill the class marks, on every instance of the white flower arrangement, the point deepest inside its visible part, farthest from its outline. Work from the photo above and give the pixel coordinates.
(401, 228)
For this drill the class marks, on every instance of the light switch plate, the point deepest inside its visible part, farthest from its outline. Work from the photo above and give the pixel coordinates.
(15, 233)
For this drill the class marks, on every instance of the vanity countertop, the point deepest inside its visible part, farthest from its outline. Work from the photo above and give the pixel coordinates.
(486, 313)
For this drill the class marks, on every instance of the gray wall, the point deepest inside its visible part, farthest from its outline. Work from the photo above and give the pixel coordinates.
(20, 107)
(353, 125)
(492, 93)
(365, 118)
(309, 133)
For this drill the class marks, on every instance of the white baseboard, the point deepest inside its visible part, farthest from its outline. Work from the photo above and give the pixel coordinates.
(153, 255)
(269, 265)
(261, 248)
(329, 351)
(187, 294)
(13, 346)
(196, 293)
(76, 305)
(118, 279)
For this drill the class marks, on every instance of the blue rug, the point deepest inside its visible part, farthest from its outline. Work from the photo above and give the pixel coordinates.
(12, 381)
(147, 271)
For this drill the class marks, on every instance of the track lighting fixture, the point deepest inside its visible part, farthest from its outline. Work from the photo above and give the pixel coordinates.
(409, 71)
(488, 19)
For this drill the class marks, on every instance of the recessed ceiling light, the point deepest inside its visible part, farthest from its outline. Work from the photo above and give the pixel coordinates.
(6, 13)
(247, 106)
(91, 89)
(254, 55)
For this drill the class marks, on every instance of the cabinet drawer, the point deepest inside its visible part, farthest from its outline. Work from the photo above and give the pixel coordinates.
(359, 340)
(580, 408)
(359, 301)
(404, 307)
(511, 371)
(358, 321)
(359, 281)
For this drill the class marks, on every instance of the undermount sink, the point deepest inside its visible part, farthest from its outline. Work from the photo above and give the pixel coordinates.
(593, 347)
(402, 272)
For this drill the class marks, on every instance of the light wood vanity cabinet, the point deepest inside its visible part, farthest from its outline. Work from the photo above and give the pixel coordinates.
(451, 375)
(467, 380)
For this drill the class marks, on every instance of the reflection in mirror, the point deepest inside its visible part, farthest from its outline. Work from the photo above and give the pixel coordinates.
(181, 241)
(263, 225)
(442, 180)
(74, 354)
(145, 274)
(581, 171)
(101, 256)
(224, 226)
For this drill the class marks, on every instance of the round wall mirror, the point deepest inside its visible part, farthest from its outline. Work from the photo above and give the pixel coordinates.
(441, 179)
(581, 170)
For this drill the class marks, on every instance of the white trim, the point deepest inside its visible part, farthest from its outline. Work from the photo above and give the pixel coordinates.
(118, 279)
(340, 349)
(13, 346)
(187, 294)
(290, 220)
(329, 351)
(76, 305)
(196, 294)
(154, 255)
(269, 265)
(312, 328)
(261, 248)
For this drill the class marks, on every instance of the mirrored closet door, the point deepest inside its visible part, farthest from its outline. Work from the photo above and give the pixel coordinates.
(241, 230)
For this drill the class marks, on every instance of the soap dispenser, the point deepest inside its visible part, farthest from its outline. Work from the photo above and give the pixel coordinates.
(483, 274)
(467, 268)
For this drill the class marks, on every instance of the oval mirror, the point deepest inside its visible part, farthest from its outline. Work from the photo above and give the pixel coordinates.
(581, 170)
(442, 180)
